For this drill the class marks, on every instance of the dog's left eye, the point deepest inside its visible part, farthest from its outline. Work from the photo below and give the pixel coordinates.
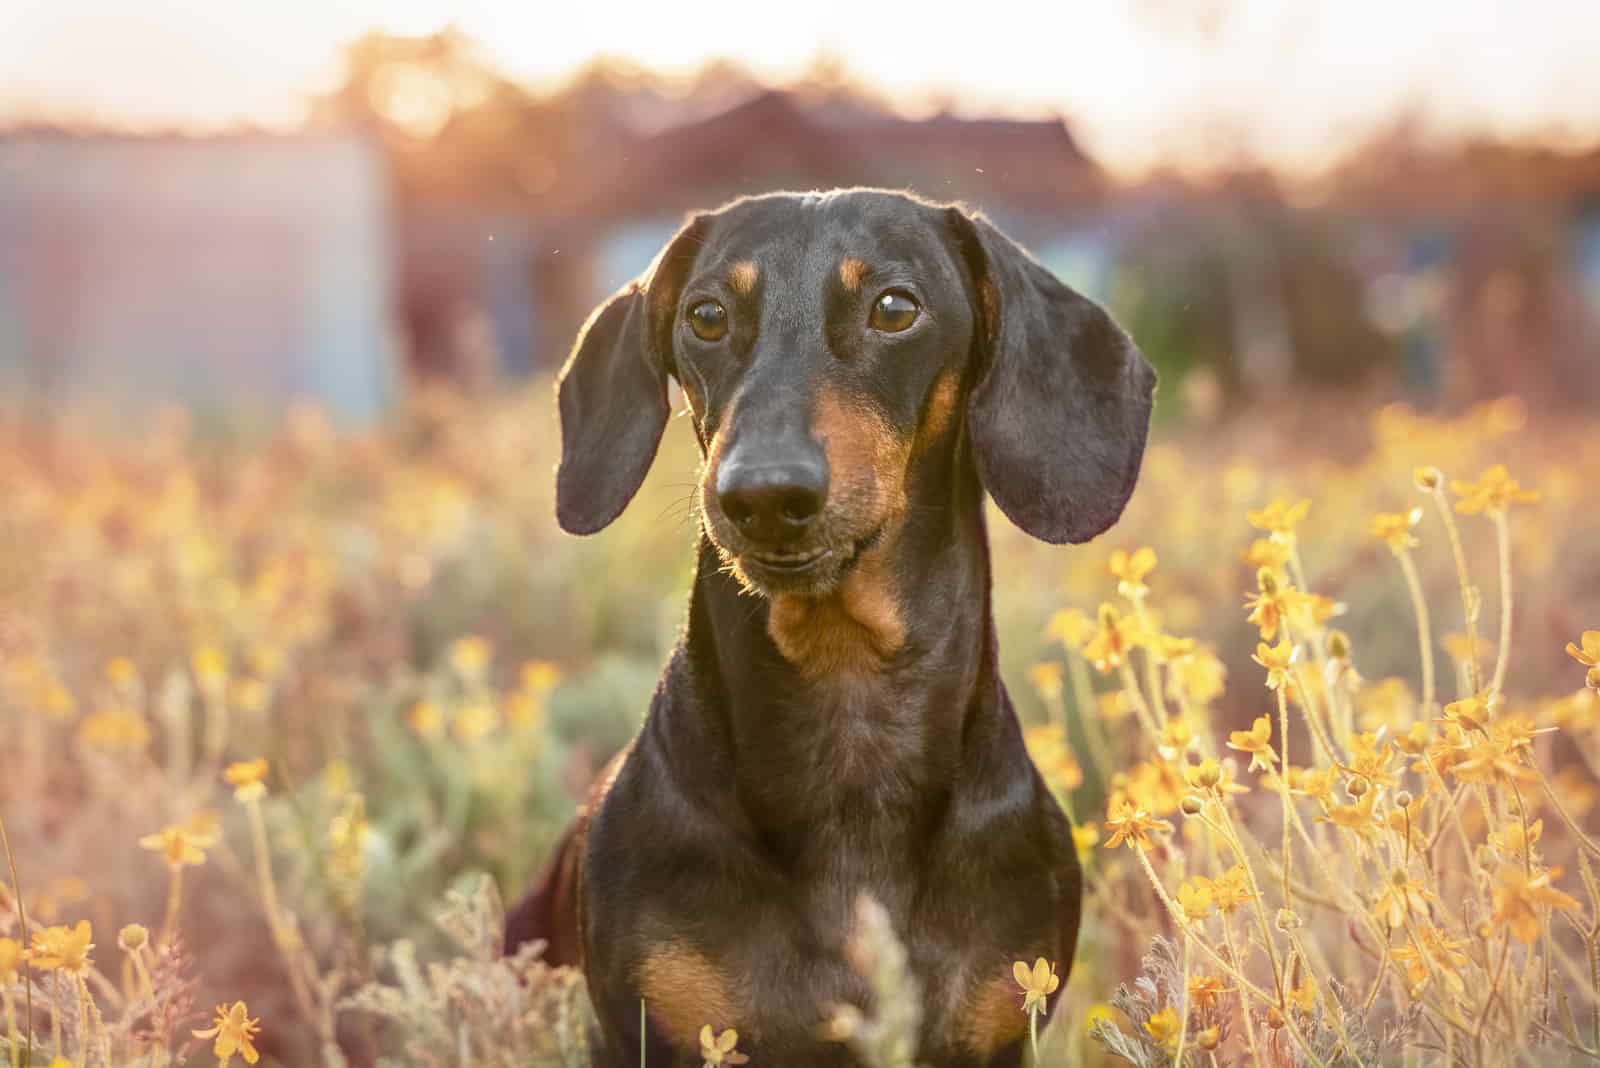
(894, 311)
(708, 320)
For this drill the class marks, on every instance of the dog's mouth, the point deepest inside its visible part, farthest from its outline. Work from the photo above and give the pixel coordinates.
(810, 570)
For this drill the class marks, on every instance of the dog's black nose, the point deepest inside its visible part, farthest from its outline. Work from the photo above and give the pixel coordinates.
(772, 502)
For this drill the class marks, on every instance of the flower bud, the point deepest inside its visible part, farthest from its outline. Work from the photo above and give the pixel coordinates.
(1356, 788)
(1267, 581)
(1428, 479)
(1403, 798)
(133, 937)
(1193, 804)
(1338, 645)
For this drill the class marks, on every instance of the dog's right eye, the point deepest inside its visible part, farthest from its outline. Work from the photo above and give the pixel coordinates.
(708, 320)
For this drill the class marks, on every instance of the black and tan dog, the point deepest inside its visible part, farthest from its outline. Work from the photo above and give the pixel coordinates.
(861, 367)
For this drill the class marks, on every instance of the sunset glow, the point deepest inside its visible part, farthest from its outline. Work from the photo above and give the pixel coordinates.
(1144, 82)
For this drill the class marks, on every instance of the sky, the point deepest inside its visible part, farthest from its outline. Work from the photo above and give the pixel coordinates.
(1144, 82)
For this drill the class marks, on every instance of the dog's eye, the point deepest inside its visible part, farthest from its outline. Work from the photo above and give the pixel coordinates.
(708, 320)
(894, 311)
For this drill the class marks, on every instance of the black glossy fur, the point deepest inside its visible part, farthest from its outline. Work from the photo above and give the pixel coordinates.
(782, 770)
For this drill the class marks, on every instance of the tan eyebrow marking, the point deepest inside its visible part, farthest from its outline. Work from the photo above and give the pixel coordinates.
(742, 276)
(850, 272)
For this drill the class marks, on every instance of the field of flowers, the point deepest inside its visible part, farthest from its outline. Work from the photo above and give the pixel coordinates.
(287, 718)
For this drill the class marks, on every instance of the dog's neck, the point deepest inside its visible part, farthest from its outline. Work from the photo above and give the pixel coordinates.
(861, 700)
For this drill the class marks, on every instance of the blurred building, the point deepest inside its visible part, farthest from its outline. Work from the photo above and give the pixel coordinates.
(230, 273)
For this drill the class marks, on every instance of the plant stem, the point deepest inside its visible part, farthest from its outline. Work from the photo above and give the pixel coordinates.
(1419, 605)
(1502, 529)
(27, 969)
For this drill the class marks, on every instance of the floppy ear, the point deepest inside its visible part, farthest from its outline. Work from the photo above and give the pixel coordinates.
(612, 392)
(1061, 402)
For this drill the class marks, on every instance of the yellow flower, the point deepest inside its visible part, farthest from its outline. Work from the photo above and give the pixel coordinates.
(1085, 836)
(210, 669)
(1257, 741)
(1204, 990)
(470, 655)
(1198, 674)
(474, 720)
(1357, 817)
(1589, 655)
(246, 778)
(1163, 1026)
(10, 957)
(64, 949)
(719, 1049)
(1071, 628)
(179, 845)
(1489, 761)
(121, 673)
(1471, 713)
(1395, 528)
(235, 1032)
(1446, 951)
(1232, 890)
(1194, 897)
(1037, 984)
(1047, 745)
(540, 676)
(1133, 825)
(1272, 603)
(1304, 996)
(1277, 660)
(1046, 678)
(1401, 896)
(425, 719)
(1109, 647)
(1280, 518)
(1130, 570)
(1266, 553)
(117, 730)
(1518, 898)
(1494, 491)
(1387, 703)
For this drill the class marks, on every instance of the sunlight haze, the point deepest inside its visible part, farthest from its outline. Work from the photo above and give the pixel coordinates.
(1143, 83)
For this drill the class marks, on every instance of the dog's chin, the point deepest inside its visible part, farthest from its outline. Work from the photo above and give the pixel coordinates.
(814, 571)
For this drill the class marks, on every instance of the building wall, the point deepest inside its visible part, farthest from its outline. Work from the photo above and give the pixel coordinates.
(232, 274)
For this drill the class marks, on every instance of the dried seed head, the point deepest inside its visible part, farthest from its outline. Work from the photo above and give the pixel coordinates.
(1356, 788)
(1288, 920)
(1209, 1038)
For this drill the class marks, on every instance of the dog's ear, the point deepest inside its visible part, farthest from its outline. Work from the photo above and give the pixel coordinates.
(612, 392)
(1060, 404)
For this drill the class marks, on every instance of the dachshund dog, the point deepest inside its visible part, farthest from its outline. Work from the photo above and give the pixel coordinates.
(861, 367)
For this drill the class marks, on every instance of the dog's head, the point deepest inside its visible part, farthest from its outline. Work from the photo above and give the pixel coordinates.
(822, 341)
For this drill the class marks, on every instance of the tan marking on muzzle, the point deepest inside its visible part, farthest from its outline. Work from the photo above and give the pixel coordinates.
(856, 628)
(683, 991)
(742, 276)
(850, 271)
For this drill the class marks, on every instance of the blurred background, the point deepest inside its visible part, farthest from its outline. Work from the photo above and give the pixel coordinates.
(282, 288)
